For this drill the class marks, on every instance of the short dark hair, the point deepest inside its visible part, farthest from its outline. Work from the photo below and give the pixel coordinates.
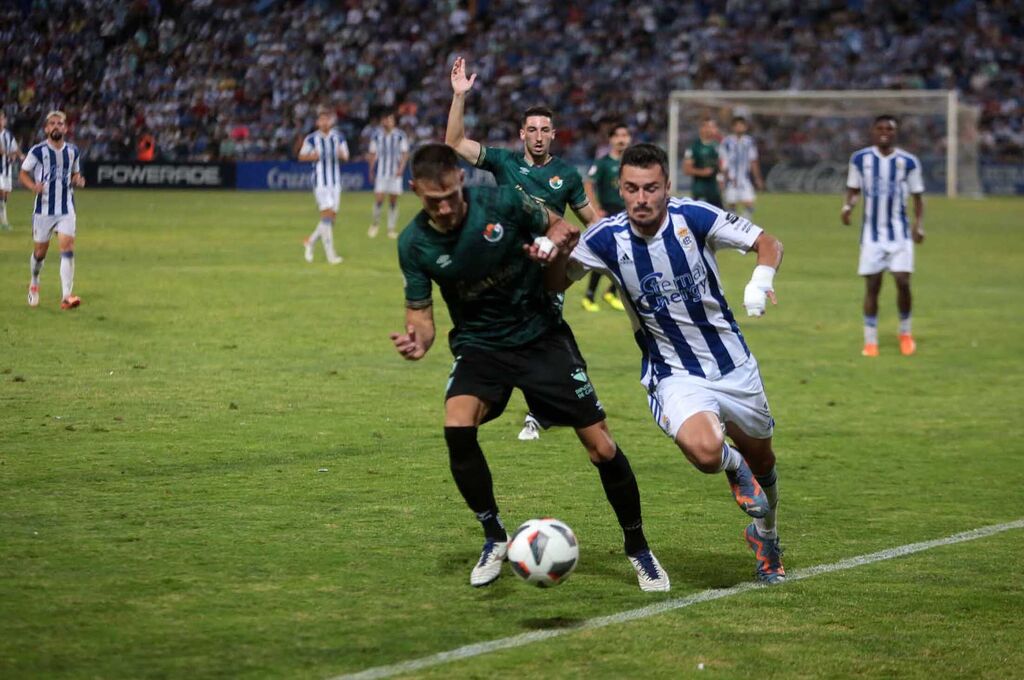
(645, 156)
(738, 119)
(887, 116)
(539, 110)
(616, 126)
(432, 161)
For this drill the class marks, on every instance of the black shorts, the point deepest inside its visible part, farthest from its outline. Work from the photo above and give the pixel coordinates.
(712, 196)
(550, 371)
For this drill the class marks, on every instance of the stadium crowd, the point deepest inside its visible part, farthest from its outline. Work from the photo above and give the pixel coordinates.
(206, 80)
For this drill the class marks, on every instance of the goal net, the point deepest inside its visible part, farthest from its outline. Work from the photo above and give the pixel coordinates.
(805, 138)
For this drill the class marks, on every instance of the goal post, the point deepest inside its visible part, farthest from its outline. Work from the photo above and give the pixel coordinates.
(805, 138)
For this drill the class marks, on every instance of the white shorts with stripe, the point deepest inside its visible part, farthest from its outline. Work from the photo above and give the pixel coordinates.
(879, 256)
(43, 226)
(5, 182)
(743, 193)
(738, 397)
(328, 198)
(387, 185)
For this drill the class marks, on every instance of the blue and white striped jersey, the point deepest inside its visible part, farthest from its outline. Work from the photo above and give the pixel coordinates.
(8, 147)
(672, 287)
(53, 168)
(885, 182)
(738, 153)
(327, 170)
(388, 147)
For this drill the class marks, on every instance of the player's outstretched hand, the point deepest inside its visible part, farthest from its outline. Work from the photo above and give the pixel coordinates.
(408, 345)
(460, 83)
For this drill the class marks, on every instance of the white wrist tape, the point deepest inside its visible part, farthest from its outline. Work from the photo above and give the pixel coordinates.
(763, 277)
(544, 244)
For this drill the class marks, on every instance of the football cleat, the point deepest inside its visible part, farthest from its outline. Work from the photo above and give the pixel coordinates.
(768, 555)
(590, 305)
(907, 344)
(392, 234)
(33, 295)
(649, 574)
(70, 302)
(870, 350)
(488, 569)
(308, 254)
(335, 259)
(373, 231)
(613, 301)
(747, 492)
(531, 429)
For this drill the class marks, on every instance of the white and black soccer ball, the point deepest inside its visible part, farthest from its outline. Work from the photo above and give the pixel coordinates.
(543, 552)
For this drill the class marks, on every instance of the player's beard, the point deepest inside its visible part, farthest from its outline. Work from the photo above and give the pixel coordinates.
(649, 220)
(56, 135)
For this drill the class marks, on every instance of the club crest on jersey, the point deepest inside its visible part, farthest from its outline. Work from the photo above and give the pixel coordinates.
(684, 237)
(493, 232)
(555, 182)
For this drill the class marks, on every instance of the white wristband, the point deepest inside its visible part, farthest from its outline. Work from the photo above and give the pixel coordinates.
(544, 244)
(763, 277)
(847, 207)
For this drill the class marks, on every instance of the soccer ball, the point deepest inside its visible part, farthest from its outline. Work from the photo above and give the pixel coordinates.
(543, 552)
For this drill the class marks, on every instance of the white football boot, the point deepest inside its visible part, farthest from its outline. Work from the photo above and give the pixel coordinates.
(488, 569)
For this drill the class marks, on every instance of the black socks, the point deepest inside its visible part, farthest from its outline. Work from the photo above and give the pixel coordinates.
(624, 495)
(473, 477)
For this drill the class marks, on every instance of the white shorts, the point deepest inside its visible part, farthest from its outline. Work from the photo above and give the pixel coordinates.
(387, 185)
(43, 226)
(878, 256)
(739, 194)
(5, 182)
(736, 398)
(328, 198)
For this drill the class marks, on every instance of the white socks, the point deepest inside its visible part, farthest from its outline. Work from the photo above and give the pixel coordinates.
(904, 324)
(3, 211)
(35, 266)
(67, 273)
(376, 214)
(731, 459)
(326, 229)
(392, 218)
(870, 330)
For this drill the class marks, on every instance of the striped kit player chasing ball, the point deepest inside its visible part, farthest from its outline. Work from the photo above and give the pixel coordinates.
(51, 171)
(701, 378)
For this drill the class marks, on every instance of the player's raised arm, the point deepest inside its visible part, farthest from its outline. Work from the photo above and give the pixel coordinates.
(455, 134)
(419, 333)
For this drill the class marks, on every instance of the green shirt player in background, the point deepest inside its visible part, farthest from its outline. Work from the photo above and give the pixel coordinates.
(472, 243)
(701, 162)
(534, 170)
(602, 187)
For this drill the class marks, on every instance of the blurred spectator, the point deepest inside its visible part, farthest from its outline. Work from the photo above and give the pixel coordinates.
(195, 72)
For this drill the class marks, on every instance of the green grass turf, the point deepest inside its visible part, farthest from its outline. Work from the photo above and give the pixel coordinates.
(218, 466)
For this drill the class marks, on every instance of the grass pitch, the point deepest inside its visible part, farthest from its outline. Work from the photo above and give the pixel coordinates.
(218, 467)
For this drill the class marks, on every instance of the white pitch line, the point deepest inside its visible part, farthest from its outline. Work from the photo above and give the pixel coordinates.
(480, 648)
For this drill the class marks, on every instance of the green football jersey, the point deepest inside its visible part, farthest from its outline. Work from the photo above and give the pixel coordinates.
(704, 155)
(494, 292)
(604, 173)
(556, 183)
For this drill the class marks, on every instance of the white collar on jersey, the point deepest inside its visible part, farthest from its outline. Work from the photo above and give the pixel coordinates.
(878, 152)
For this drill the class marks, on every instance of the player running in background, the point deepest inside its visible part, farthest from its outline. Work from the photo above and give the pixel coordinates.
(506, 335)
(742, 168)
(10, 154)
(886, 174)
(534, 170)
(602, 187)
(327, 149)
(52, 170)
(699, 374)
(702, 163)
(389, 152)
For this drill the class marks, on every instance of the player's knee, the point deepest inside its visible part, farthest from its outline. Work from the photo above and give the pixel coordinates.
(704, 450)
(601, 451)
